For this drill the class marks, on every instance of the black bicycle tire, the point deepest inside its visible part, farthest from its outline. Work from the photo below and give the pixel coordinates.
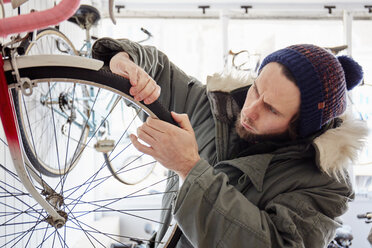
(103, 78)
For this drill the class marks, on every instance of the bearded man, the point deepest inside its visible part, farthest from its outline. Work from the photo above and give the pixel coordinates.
(261, 163)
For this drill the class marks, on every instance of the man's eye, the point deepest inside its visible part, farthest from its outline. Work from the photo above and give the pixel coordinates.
(272, 110)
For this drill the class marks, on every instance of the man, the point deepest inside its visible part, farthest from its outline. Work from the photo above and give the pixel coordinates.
(261, 163)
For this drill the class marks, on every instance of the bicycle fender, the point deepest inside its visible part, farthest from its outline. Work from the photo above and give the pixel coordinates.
(54, 60)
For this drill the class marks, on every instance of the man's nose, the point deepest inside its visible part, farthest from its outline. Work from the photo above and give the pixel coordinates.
(252, 111)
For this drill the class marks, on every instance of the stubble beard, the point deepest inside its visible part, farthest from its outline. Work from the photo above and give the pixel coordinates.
(254, 138)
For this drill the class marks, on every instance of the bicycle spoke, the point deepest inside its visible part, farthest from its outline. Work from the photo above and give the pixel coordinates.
(139, 166)
(107, 209)
(101, 180)
(46, 238)
(3, 142)
(13, 194)
(21, 201)
(31, 133)
(142, 189)
(33, 229)
(125, 197)
(81, 228)
(95, 230)
(62, 240)
(55, 134)
(125, 132)
(119, 199)
(14, 175)
(75, 156)
(66, 168)
(29, 124)
(94, 176)
(95, 132)
(22, 234)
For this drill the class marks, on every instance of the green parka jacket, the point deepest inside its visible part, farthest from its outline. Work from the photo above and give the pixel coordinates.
(239, 194)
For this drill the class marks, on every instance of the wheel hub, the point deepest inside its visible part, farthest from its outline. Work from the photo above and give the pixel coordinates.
(66, 105)
(56, 200)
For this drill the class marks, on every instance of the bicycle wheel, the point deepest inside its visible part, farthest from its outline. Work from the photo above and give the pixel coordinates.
(50, 41)
(100, 210)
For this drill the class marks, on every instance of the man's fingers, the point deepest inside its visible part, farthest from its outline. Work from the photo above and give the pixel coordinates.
(142, 79)
(143, 135)
(153, 96)
(148, 134)
(140, 147)
(121, 72)
(182, 120)
(146, 91)
(118, 64)
(133, 76)
(144, 88)
(159, 125)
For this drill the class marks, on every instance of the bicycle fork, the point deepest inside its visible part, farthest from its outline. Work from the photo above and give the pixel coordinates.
(10, 125)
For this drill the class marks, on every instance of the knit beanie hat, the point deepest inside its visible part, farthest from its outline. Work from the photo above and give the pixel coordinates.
(323, 80)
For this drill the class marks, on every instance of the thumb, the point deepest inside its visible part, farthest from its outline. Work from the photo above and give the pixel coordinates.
(182, 120)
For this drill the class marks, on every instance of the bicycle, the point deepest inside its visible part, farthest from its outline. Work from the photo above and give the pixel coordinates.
(52, 41)
(41, 210)
(245, 61)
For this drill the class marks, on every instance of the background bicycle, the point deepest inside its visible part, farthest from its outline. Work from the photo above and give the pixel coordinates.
(52, 41)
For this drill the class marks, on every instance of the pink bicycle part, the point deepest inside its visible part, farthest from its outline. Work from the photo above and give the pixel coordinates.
(37, 20)
(7, 114)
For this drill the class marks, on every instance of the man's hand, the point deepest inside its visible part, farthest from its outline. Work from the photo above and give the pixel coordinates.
(174, 147)
(143, 86)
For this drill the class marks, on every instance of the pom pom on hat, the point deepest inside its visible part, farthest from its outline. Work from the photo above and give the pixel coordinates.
(353, 71)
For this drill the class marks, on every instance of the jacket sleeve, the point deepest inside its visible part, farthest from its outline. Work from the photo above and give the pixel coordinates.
(177, 88)
(212, 213)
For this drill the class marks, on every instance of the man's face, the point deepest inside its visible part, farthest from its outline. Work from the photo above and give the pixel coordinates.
(270, 104)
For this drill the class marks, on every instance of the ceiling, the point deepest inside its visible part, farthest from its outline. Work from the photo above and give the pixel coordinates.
(360, 9)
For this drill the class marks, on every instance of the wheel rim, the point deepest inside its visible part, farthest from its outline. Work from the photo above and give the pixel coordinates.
(50, 42)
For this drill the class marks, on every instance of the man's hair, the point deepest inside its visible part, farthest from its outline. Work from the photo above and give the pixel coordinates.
(288, 74)
(293, 125)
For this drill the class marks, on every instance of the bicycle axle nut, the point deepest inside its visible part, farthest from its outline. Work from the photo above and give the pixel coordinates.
(57, 223)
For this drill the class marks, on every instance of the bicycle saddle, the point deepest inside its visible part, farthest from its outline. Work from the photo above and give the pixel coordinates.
(85, 17)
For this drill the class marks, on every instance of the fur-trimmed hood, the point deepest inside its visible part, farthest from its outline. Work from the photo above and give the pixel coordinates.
(336, 148)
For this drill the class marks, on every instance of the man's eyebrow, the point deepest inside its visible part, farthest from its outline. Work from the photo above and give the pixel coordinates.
(265, 103)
